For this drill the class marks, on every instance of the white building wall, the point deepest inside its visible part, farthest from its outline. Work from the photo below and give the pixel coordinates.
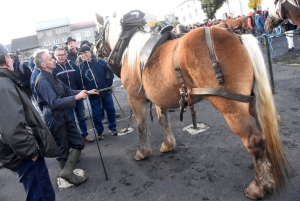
(189, 12)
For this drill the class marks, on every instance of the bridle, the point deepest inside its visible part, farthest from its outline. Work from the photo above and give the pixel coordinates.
(104, 49)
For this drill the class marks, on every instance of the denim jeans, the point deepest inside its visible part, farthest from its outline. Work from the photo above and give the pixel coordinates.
(79, 111)
(108, 104)
(36, 181)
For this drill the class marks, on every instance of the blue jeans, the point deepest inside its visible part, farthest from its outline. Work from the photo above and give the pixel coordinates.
(36, 181)
(79, 111)
(108, 104)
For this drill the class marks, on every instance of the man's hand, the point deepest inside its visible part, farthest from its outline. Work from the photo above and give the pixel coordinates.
(34, 158)
(93, 91)
(81, 95)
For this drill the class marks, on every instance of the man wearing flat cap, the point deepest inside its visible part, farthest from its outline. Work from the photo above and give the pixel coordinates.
(72, 49)
(95, 73)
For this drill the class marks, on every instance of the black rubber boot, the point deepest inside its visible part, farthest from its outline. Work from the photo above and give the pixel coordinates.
(67, 172)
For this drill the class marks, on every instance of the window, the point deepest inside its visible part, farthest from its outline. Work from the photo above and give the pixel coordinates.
(65, 39)
(46, 43)
(64, 29)
(43, 33)
(196, 12)
(188, 5)
(56, 41)
(87, 34)
(58, 31)
(181, 8)
(183, 19)
(190, 15)
(77, 36)
(53, 32)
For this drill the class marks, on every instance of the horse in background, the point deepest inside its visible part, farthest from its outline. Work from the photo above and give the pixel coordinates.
(238, 23)
(280, 10)
(243, 68)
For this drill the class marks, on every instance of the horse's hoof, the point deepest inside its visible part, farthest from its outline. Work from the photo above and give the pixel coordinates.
(253, 192)
(164, 148)
(139, 156)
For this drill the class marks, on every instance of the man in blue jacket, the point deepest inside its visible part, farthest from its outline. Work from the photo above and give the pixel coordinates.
(55, 98)
(66, 71)
(91, 74)
(259, 23)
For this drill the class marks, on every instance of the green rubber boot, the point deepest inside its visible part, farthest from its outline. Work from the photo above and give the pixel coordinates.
(67, 172)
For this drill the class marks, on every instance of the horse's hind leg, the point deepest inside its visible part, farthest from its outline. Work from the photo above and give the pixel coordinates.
(169, 140)
(242, 124)
(138, 106)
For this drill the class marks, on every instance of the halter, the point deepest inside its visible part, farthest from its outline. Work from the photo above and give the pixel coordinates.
(104, 50)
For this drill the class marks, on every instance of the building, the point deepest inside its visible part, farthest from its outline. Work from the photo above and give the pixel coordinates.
(56, 32)
(27, 46)
(189, 12)
(53, 32)
(83, 31)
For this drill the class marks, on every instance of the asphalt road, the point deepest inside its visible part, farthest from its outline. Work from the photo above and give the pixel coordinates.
(212, 165)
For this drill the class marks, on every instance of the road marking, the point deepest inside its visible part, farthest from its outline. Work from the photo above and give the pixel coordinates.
(201, 127)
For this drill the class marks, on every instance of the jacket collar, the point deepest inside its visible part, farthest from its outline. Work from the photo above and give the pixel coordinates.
(5, 72)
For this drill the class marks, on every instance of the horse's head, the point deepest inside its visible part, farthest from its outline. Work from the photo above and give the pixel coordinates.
(104, 41)
(275, 17)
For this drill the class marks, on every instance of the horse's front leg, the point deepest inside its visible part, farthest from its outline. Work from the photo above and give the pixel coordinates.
(138, 106)
(169, 142)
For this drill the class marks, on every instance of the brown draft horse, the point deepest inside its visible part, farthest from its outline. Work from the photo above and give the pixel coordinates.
(280, 10)
(244, 72)
(236, 23)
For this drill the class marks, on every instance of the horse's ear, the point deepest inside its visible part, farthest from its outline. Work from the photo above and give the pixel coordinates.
(99, 19)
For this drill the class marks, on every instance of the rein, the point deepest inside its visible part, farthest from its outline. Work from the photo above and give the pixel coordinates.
(104, 50)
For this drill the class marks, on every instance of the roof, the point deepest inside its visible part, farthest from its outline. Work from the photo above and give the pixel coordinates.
(182, 2)
(82, 25)
(25, 43)
(40, 26)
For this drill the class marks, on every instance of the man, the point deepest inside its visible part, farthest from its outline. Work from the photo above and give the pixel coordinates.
(55, 98)
(25, 139)
(289, 33)
(93, 73)
(66, 71)
(72, 49)
(259, 23)
(24, 73)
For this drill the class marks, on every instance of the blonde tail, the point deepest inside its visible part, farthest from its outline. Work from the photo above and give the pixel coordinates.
(266, 112)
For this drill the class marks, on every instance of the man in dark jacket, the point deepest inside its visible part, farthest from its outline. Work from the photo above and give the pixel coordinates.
(95, 73)
(24, 138)
(66, 71)
(72, 49)
(55, 98)
(24, 73)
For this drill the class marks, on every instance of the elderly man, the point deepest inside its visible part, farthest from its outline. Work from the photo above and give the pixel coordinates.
(72, 49)
(95, 73)
(24, 138)
(55, 98)
(66, 71)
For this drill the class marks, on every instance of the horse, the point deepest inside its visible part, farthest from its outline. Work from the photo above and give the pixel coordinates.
(280, 10)
(244, 72)
(236, 23)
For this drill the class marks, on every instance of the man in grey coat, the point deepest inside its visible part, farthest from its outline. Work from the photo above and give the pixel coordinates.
(24, 138)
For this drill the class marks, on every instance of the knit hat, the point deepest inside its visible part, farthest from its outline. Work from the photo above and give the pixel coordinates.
(85, 42)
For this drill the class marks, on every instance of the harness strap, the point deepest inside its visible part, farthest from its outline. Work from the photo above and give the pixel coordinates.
(213, 58)
(221, 91)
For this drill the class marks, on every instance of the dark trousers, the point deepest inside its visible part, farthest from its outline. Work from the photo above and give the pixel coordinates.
(65, 133)
(36, 181)
(108, 104)
(79, 111)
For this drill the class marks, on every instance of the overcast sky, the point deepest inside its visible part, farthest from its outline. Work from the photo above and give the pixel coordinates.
(19, 17)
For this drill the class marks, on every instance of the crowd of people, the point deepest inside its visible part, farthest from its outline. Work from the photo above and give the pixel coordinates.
(58, 82)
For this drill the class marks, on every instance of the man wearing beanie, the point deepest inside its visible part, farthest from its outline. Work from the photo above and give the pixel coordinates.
(95, 74)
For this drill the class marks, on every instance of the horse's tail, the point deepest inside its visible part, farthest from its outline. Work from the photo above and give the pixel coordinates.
(266, 112)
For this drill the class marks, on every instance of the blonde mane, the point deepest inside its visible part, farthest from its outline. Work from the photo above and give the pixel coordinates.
(134, 48)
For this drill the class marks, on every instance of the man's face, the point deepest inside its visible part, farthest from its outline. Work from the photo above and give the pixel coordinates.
(49, 62)
(86, 55)
(71, 45)
(61, 56)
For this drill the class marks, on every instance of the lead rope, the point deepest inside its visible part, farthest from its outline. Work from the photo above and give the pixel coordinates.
(93, 123)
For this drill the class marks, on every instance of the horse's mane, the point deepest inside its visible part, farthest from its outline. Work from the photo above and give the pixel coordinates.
(135, 45)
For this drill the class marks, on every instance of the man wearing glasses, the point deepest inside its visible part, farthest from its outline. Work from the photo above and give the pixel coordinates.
(66, 71)
(24, 137)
